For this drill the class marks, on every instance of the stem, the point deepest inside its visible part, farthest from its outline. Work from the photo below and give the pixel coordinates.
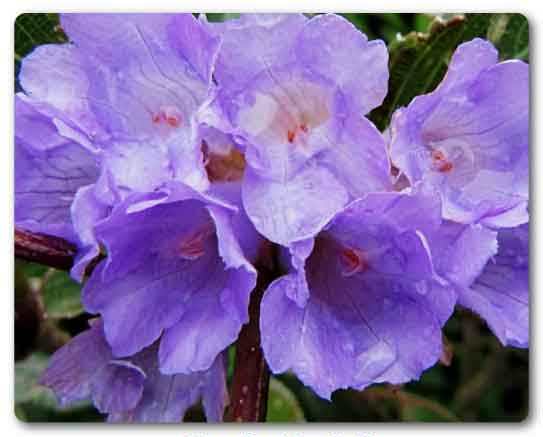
(250, 383)
(44, 249)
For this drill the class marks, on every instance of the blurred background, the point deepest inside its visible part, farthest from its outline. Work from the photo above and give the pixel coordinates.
(476, 380)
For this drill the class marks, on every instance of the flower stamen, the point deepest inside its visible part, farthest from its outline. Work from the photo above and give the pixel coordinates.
(353, 261)
(440, 162)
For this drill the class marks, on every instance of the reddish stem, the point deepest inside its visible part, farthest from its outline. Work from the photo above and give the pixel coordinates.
(44, 249)
(250, 383)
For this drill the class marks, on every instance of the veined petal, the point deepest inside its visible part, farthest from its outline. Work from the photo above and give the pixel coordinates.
(55, 74)
(374, 311)
(180, 277)
(166, 398)
(500, 294)
(469, 138)
(331, 46)
(293, 210)
(253, 43)
(84, 368)
(49, 169)
(187, 346)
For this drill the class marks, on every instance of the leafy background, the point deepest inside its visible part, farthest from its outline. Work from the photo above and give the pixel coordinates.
(477, 379)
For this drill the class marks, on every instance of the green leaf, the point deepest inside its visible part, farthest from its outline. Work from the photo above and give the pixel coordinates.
(510, 34)
(231, 361)
(35, 29)
(31, 270)
(282, 404)
(61, 296)
(416, 408)
(35, 403)
(26, 375)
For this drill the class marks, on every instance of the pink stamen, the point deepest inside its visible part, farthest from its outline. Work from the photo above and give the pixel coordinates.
(167, 115)
(192, 246)
(353, 261)
(440, 162)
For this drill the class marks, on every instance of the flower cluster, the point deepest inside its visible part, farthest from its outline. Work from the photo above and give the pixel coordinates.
(181, 149)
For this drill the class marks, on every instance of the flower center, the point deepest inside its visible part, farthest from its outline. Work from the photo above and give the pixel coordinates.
(297, 133)
(168, 116)
(440, 162)
(223, 167)
(192, 245)
(287, 112)
(353, 261)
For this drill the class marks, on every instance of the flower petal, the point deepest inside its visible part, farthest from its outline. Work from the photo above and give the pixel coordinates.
(223, 309)
(501, 293)
(117, 387)
(372, 312)
(55, 74)
(252, 44)
(49, 169)
(146, 79)
(331, 46)
(292, 210)
(166, 398)
(84, 368)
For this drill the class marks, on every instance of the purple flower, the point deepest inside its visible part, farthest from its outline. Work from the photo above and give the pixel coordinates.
(469, 138)
(362, 302)
(174, 270)
(132, 83)
(292, 92)
(131, 389)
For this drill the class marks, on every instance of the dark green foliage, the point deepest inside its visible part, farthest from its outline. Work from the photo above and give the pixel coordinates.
(61, 295)
(34, 29)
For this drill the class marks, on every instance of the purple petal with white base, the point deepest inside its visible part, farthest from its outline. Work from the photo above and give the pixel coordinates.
(469, 138)
(298, 119)
(291, 209)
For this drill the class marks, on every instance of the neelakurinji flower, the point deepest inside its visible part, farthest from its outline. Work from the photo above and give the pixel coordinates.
(131, 389)
(174, 270)
(172, 293)
(292, 92)
(126, 87)
(132, 84)
(362, 302)
(469, 138)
